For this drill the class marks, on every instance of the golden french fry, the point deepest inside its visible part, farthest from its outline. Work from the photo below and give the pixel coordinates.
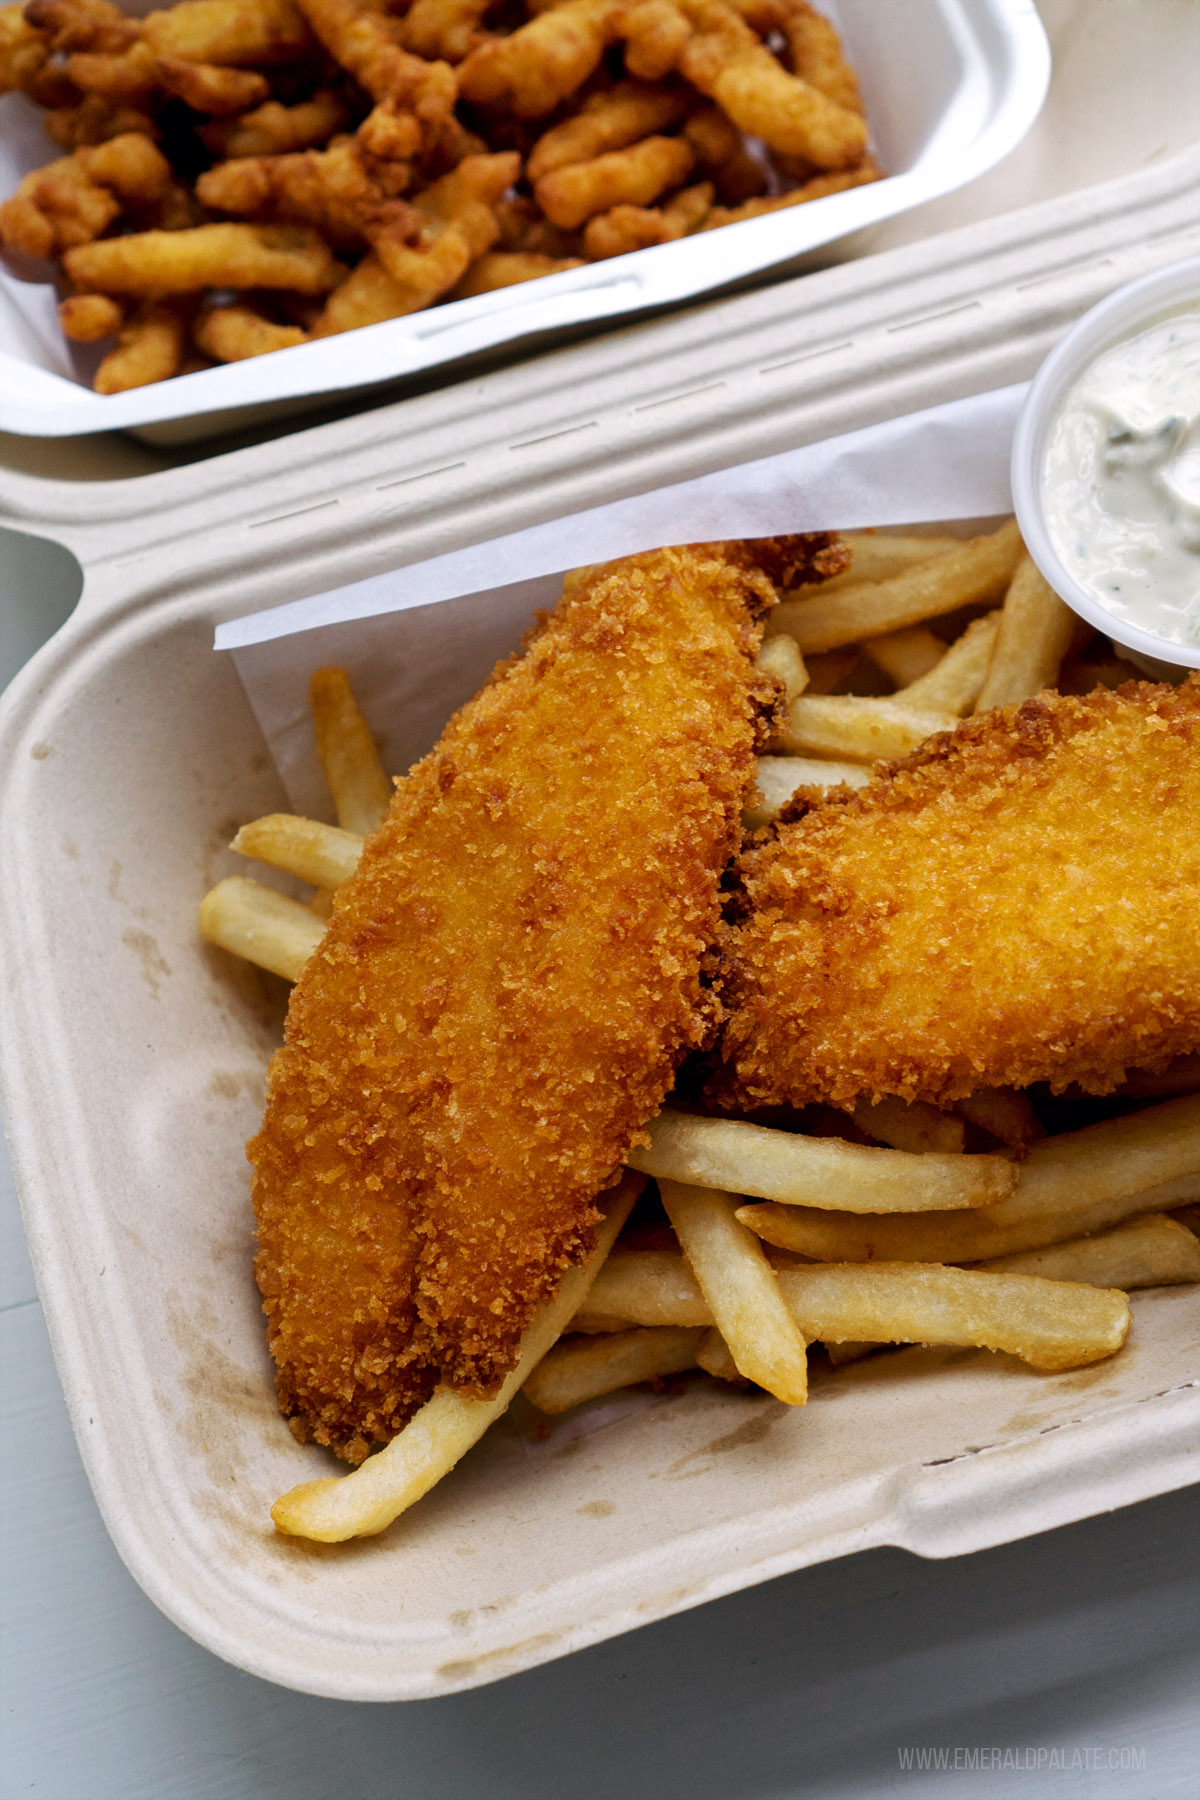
(978, 569)
(1005, 1113)
(574, 1372)
(322, 854)
(265, 927)
(908, 1125)
(817, 1172)
(737, 1281)
(647, 1287)
(1188, 1216)
(779, 778)
(713, 1355)
(1068, 1186)
(1181, 1076)
(1148, 1252)
(1035, 630)
(361, 791)
(596, 1322)
(904, 655)
(1048, 1324)
(955, 684)
(365, 1502)
(877, 556)
(858, 728)
(780, 656)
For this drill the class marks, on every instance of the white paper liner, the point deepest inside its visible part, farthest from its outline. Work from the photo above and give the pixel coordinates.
(418, 642)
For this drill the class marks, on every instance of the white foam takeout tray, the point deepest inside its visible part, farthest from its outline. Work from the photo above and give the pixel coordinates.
(134, 1056)
(950, 86)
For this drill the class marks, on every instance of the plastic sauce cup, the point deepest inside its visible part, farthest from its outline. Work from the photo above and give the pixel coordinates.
(1117, 318)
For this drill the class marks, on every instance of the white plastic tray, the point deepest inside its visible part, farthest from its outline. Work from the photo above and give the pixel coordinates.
(128, 754)
(950, 86)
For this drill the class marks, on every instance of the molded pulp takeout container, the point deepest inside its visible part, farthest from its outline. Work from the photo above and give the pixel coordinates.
(134, 1055)
(950, 87)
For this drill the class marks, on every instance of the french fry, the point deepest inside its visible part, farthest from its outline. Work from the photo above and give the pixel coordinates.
(954, 685)
(1152, 1251)
(648, 1287)
(575, 1371)
(907, 1124)
(1035, 630)
(904, 655)
(713, 1355)
(877, 556)
(361, 791)
(1005, 1113)
(780, 777)
(1049, 1324)
(265, 927)
(1068, 1186)
(858, 729)
(780, 656)
(1189, 1217)
(360, 1504)
(817, 1172)
(979, 569)
(323, 854)
(737, 1281)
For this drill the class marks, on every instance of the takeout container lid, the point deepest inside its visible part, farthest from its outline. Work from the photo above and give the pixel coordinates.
(948, 96)
(133, 1062)
(1120, 315)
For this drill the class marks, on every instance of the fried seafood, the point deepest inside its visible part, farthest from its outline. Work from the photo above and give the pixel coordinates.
(1015, 902)
(505, 989)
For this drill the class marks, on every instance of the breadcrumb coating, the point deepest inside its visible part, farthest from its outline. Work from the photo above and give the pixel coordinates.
(505, 989)
(1018, 901)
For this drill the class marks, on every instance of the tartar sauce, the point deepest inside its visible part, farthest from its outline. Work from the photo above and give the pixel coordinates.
(1121, 478)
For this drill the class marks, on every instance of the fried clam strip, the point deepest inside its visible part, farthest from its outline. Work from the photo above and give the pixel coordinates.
(457, 223)
(1068, 1186)
(227, 255)
(1052, 1324)
(625, 228)
(71, 201)
(335, 1508)
(346, 194)
(543, 61)
(503, 993)
(362, 41)
(725, 59)
(1016, 902)
(812, 1171)
(605, 122)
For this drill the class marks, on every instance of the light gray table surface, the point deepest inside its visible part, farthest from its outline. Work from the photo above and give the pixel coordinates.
(1067, 1664)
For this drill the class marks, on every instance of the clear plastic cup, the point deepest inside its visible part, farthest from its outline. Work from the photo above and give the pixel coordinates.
(1118, 317)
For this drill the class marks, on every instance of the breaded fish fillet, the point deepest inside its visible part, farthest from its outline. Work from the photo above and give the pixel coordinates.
(504, 991)
(1018, 901)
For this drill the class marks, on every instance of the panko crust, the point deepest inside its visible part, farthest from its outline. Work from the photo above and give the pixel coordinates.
(504, 992)
(1018, 901)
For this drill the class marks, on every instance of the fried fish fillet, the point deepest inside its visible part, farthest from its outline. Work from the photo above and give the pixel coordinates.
(1018, 901)
(505, 989)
